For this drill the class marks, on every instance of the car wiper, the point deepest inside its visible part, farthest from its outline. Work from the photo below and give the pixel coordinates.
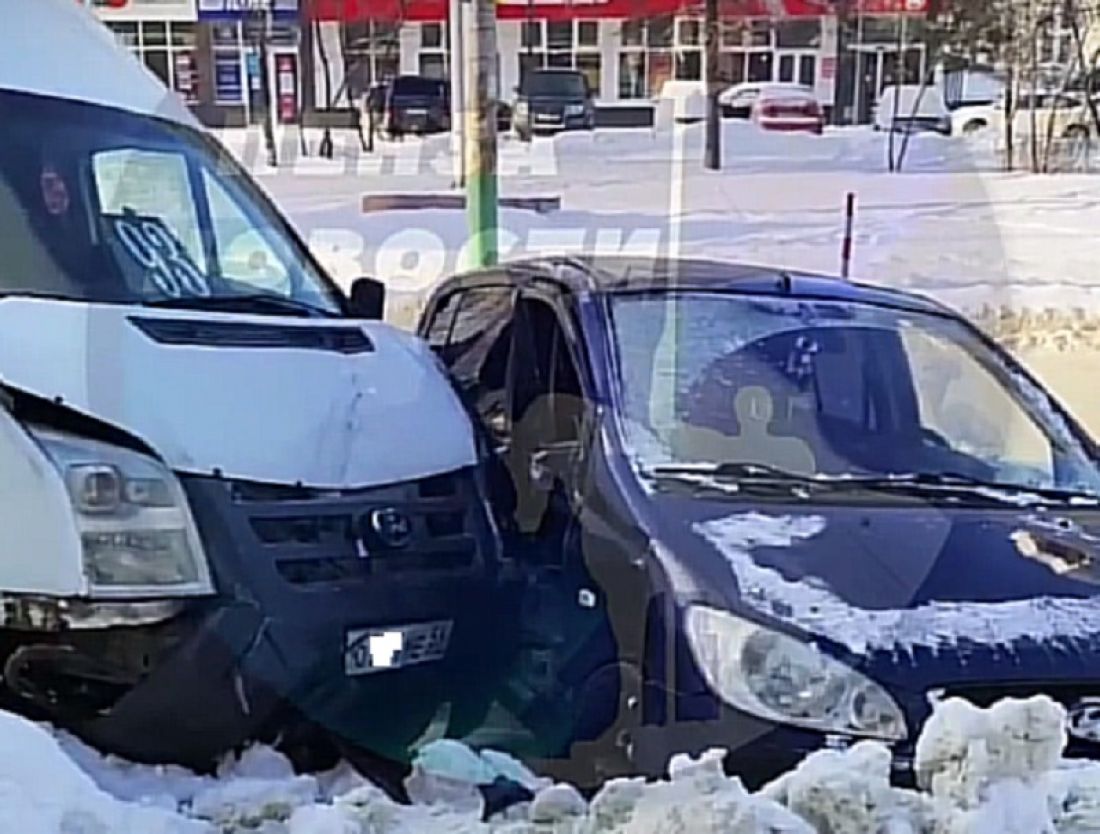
(958, 481)
(261, 302)
(733, 469)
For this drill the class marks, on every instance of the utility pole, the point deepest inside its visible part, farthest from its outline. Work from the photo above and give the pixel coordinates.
(456, 14)
(481, 135)
(264, 13)
(713, 155)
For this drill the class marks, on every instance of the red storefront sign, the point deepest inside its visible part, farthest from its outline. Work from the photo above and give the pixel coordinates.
(434, 10)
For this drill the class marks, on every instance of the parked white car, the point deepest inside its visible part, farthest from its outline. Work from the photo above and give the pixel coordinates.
(737, 102)
(912, 108)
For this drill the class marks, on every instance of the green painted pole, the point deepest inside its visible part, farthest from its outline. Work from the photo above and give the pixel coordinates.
(481, 136)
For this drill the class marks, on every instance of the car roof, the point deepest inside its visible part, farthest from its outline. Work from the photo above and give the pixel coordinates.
(57, 48)
(604, 275)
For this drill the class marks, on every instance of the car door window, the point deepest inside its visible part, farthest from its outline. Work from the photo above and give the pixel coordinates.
(547, 411)
(437, 331)
(478, 352)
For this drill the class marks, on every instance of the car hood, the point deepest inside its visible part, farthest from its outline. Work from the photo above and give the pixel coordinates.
(905, 580)
(259, 398)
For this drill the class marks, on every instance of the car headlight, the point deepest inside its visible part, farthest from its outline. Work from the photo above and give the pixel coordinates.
(784, 680)
(574, 110)
(136, 531)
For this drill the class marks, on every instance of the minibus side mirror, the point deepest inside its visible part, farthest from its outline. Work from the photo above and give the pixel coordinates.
(367, 299)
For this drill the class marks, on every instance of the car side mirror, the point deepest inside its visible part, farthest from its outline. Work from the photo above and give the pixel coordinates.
(367, 299)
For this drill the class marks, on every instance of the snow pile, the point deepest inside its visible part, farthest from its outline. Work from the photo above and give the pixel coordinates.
(979, 771)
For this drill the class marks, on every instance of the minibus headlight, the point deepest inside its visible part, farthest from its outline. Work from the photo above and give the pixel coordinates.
(136, 531)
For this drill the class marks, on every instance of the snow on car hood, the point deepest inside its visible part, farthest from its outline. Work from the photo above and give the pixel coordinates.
(812, 603)
(284, 414)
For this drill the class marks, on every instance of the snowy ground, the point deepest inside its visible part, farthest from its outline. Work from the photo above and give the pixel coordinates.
(1015, 251)
(996, 771)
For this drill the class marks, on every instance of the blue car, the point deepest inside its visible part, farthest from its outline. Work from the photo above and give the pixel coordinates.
(764, 511)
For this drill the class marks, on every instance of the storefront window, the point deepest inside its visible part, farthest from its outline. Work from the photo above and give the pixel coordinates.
(431, 35)
(733, 33)
(689, 65)
(531, 34)
(433, 65)
(879, 30)
(371, 54)
(560, 60)
(165, 47)
(760, 67)
(760, 33)
(689, 33)
(588, 33)
(786, 68)
(660, 71)
(559, 34)
(798, 34)
(808, 70)
(659, 32)
(731, 67)
(590, 65)
(632, 80)
(633, 33)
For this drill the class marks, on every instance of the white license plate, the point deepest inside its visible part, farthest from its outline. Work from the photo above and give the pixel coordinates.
(370, 650)
(417, 111)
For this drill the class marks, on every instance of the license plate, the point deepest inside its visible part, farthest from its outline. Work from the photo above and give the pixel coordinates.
(546, 117)
(370, 650)
(417, 111)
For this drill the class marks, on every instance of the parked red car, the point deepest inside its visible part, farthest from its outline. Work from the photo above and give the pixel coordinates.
(788, 109)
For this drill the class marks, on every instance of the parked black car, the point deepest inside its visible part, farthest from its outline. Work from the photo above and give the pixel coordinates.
(416, 104)
(765, 511)
(550, 100)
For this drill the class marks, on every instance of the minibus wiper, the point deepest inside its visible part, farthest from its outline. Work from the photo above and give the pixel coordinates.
(252, 302)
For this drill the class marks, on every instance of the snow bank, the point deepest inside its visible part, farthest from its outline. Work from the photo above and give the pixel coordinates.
(979, 771)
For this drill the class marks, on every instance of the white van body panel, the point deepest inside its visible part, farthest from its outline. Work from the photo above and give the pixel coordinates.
(276, 415)
(38, 536)
(84, 62)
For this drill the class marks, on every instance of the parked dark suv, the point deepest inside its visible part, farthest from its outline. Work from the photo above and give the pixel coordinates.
(417, 104)
(551, 100)
(765, 511)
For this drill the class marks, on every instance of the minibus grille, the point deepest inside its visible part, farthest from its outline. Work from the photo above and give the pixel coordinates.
(324, 536)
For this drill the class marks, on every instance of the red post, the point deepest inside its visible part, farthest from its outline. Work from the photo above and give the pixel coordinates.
(849, 223)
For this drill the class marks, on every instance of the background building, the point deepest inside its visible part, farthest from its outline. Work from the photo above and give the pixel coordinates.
(208, 50)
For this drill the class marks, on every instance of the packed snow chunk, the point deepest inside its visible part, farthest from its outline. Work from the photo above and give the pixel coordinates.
(324, 819)
(248, 802)
(698, 799)
(963, 749)
(42, 791)
(1074, 797)
(257, 762)
(558, 803)
(849, 792)
(1010, 806)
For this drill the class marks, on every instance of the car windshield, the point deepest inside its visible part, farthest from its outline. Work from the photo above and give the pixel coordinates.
(564, 84)
(414, 85)
(100, 205)
(832, 391)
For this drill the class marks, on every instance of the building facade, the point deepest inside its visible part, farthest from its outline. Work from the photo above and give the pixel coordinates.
(327, 52)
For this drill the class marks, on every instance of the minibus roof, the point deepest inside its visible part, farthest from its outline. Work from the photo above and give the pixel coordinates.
(57, 48)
